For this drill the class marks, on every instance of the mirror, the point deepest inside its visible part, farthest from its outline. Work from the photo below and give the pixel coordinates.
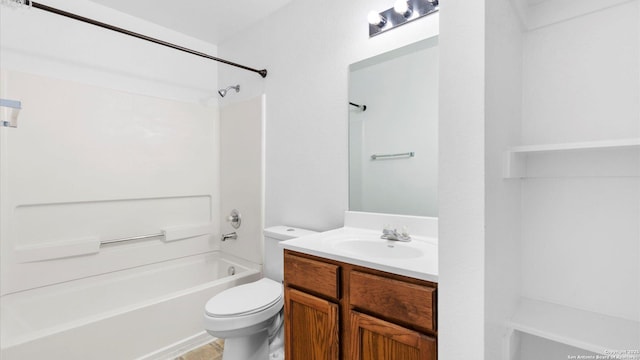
(393, 142)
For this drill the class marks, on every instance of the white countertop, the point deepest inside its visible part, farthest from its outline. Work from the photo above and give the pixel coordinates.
(417, 258)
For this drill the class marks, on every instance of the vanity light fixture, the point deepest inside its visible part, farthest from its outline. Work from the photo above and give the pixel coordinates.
(376, 19)
(402, 12)
(403, 8)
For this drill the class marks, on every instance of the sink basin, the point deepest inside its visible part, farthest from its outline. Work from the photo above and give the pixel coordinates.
(379, 248)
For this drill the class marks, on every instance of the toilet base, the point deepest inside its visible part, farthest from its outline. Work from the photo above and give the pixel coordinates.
(252, 347)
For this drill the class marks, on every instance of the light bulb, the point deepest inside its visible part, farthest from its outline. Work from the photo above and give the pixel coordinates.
(402, 7)
(376, 19)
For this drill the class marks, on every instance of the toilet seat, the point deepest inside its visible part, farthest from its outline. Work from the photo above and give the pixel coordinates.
(245, 299)
(244, 309)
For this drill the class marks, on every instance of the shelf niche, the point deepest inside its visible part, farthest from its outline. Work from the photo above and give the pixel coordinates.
(515, 164)
(590, 331)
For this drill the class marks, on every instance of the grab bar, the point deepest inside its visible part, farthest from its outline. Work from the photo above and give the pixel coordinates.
(131, 238)
(169, 234)
(384, 156)
(91, 245)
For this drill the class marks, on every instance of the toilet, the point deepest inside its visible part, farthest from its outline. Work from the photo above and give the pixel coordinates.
(249, 317)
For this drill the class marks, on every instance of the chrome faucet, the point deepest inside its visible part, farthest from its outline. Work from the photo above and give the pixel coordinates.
(232, 236)
(393, 234)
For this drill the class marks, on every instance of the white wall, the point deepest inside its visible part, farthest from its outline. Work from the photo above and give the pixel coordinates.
(306, 133)
(502, 130)
(38, 42)
(581, 78)
(462, 181)
(307, 47)
(401, 95)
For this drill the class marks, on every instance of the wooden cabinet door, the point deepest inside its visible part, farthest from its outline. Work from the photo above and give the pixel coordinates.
(311, 327)
(375, 339)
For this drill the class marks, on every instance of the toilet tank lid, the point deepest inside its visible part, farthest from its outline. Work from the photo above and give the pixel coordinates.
(282, 232)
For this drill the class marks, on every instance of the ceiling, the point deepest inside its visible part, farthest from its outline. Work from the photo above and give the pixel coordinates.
(209, 20)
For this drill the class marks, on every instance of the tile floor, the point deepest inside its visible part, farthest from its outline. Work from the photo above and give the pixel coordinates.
(210, 351)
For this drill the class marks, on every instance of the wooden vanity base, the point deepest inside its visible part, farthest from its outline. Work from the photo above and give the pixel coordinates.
(335, 310)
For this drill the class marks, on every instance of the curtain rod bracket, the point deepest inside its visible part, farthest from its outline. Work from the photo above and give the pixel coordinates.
(361, 107)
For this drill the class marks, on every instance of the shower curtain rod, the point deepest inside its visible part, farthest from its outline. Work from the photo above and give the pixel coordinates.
(50, 9)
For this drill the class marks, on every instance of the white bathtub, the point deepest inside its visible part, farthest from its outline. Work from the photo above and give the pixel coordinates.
(150, 312)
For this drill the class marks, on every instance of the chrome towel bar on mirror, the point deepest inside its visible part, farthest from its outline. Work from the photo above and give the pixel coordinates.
(387, 156)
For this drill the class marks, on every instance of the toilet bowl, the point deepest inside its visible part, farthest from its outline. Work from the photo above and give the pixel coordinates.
(249, 317)
(246, 316)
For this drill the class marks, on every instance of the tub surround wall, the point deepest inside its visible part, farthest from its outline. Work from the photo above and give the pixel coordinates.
(242, 175)
(88, 164)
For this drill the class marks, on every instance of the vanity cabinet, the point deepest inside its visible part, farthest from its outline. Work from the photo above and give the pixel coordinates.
(336, 310)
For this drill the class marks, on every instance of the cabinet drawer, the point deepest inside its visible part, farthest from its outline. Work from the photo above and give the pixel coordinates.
(311, 275)
(393, 299)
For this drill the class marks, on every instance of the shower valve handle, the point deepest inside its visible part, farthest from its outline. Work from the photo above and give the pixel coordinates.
(235, 218)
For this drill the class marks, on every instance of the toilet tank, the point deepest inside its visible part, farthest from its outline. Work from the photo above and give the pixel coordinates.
(273, 253)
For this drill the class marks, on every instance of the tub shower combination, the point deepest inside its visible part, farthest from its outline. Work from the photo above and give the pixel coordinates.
(63, 297)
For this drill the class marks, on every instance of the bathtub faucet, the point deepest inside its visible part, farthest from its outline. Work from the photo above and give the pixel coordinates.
(228, 236)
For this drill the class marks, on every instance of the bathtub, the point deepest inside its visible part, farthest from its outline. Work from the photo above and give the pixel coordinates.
(150, 312)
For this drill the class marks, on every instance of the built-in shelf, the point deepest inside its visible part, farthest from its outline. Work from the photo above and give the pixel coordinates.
(515, 158)
(586, 330)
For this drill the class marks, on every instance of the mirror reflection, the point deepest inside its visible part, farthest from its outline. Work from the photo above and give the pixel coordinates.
(393, 142)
